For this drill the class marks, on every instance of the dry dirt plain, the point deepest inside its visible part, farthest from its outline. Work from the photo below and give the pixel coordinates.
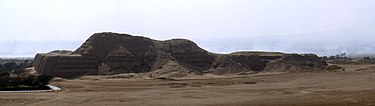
(350, 88)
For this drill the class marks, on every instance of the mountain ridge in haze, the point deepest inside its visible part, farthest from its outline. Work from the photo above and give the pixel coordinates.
(20, 48)
(321, 43)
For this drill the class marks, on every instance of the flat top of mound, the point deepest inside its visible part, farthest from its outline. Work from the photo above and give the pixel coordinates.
(60, 53)
(258, 53)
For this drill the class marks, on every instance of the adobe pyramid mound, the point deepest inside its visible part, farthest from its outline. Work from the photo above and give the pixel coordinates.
(113, 53)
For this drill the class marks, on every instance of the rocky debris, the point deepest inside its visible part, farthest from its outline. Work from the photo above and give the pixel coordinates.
(170, 70)
(61, 52)
(112, 53)
(258, 53)
(333, 67)
(296, 63)
(117, 76)
(351, 61)
(232, 64)
(28, 72)
(368, 69)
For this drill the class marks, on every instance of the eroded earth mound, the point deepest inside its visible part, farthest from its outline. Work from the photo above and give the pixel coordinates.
(113, 53)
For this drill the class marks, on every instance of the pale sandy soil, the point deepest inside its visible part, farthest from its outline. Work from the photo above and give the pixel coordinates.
(338, 88)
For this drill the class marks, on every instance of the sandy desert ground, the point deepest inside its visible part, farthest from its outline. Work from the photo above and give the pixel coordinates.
(354, 86)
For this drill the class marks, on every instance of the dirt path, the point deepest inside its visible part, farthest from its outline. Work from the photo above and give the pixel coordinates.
(57, 97)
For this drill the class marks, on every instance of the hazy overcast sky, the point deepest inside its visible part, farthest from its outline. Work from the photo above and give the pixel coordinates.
(162, 19)
(76, 20)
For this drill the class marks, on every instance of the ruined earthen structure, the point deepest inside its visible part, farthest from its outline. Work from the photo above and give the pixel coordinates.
(113, 53)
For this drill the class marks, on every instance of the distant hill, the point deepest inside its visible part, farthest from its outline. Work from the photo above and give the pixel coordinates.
(352, 42)
(320, 43)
